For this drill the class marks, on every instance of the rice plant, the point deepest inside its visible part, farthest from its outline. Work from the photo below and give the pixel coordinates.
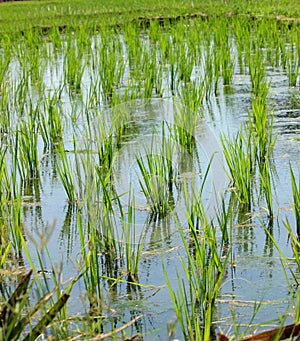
(158, 176)
(133, 242)
(293, 68)
(265, 180)
(66, 174)
(74, 65)
(111, 63)
(27, 148)
(186, 115)
(239, 156)
(203, 271)
(261, 124)
(257, 73)
(296, 198)
(50, 121)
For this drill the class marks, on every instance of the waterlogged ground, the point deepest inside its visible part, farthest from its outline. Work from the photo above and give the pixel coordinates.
(254, 275)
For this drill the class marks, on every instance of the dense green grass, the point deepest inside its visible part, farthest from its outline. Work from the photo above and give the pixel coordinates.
(22, 15)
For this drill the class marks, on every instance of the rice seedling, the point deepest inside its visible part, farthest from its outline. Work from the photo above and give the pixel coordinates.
(242, 29)
(4, 63)
(50, 121)
(111, 63)
(296, 199)
(257, 73)
(212, 70)
(261, 122)
(227, 64)
(186, 115)
(74, 65)
(149, 72)
(66, 174)
(106, 139)
(293, 66)
(133, 243)
(172, 55)
(185, 65)
(240, 161)
(90, 252)
(265, 180)
(194, 300)
(158, 176)
(27, 147)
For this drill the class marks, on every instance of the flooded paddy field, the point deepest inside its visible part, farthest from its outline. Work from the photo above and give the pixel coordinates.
(153, 173)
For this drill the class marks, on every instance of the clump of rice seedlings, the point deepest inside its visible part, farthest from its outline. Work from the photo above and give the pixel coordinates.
(102, 254)
(191, 97)
(104, 139)
(261, 122)
(257, 73)
(186, 63)
(111, 63)
(66, 174)
(158, 81)
(133, 243)
(155, 183)
(73, 65)
(11, 216)
(239, 156)
(293, 64)
(120, 119)
(29, 56)
(296, 198)
(158, 176)
(5, 113)
(203, 271)
(242, 29)
(186, 115)
(223, 62)
(90, 253)
(4, 63)
(132, 37)
(227, 63)
(149, 69)
(265, 180)
(26, 144)
(3, 169)
(50, 121)
(212, 70)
